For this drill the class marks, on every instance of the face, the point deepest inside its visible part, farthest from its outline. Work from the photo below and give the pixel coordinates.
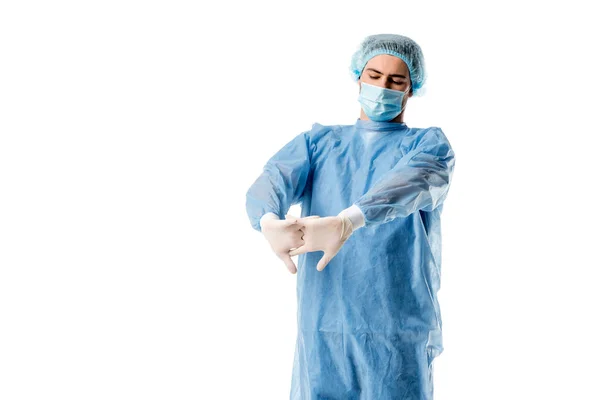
(388, 72)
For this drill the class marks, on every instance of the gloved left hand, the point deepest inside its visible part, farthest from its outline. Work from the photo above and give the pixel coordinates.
(324, 234)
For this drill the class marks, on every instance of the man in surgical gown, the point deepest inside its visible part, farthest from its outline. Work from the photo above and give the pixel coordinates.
(369, 323)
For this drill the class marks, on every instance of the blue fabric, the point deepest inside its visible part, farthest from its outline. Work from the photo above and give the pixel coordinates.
(369, 325)
(380, 104)
(396, 45)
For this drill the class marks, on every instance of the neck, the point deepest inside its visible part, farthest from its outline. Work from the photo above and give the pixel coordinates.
(399, 118)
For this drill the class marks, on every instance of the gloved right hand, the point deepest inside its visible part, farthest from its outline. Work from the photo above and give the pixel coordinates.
(283, 235)
(324, 234)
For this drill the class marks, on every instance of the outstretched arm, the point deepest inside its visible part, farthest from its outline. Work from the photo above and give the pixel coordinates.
(419, 181)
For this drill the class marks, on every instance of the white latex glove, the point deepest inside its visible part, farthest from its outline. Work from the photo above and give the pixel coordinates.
(282, 235)
(324, 234)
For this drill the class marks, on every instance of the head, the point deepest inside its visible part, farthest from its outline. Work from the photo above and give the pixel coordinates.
(392, 62)
(388, 72)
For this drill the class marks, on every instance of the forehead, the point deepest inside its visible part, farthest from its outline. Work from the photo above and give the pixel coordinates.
(388, 64)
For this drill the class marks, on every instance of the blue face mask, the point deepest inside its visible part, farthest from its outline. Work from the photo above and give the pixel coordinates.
(380, 104)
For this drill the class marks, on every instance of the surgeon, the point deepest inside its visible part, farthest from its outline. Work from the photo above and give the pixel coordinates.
(368, 239)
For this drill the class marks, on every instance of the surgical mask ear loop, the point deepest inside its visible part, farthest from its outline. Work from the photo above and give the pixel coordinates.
(407, 91)
(402, 107)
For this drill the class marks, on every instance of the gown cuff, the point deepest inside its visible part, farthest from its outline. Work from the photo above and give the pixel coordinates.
(269, 215)
(355, 215)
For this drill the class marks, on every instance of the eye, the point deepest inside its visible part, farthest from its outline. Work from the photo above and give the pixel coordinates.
(373, 77)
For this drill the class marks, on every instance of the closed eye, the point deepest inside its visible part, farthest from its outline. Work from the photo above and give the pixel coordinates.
(393, 81)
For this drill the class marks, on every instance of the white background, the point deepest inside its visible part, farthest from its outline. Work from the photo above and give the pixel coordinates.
(131, 131)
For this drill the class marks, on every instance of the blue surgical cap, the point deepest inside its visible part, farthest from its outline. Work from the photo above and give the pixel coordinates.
(396, 45)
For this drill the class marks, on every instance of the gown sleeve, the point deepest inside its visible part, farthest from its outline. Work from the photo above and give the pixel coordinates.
(282, 181)
(419, 181)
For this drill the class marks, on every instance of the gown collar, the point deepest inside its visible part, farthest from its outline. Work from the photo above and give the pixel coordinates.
(379, 126)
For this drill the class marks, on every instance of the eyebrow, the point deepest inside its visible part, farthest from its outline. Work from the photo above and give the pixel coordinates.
(394, 75)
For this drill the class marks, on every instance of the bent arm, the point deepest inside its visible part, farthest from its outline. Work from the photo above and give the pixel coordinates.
(282, 182)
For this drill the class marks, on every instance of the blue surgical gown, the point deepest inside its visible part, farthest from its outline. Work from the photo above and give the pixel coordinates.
(369, 324)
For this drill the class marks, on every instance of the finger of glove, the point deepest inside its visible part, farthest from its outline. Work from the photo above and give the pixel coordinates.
(290, 220)
(298, 220)
(324, 261)
(299, 250)
(289, 263)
